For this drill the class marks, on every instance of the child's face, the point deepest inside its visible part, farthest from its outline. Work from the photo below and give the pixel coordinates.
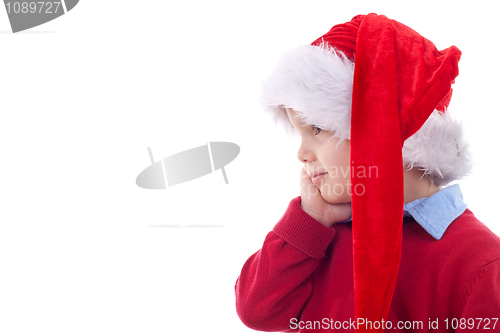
(320, 154)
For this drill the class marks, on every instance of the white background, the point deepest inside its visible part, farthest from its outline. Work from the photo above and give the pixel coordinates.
(83, 96)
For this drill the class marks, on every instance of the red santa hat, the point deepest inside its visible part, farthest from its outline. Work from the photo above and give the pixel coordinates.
(386, 88)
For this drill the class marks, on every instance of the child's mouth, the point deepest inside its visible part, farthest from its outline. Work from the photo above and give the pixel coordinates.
(317, 179)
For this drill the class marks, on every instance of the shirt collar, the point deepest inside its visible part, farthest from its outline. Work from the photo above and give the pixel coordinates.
(436, 212)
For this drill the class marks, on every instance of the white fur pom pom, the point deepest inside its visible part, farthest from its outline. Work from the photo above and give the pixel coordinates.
(439, 149)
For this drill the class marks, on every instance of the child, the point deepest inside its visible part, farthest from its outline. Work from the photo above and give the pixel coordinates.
(374, 241)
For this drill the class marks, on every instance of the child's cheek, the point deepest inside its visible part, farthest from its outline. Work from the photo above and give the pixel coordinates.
(336, 190)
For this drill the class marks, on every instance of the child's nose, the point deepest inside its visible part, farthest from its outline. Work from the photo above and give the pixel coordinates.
(305, 153)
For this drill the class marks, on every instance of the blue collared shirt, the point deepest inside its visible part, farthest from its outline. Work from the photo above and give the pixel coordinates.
(436, 212)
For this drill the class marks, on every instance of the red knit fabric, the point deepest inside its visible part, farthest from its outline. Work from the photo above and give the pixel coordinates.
(305, 271)
(400, 78)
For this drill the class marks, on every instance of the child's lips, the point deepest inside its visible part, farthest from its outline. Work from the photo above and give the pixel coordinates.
(317, 178)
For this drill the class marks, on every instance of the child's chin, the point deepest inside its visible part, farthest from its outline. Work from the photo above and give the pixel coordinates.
(336, 199)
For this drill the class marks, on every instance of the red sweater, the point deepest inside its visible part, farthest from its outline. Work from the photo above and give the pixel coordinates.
(302, 279)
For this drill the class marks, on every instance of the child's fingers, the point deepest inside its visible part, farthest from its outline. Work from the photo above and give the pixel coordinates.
(313, 203)
(341, 212)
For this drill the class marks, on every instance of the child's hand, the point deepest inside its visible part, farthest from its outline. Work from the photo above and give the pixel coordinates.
(315, 206)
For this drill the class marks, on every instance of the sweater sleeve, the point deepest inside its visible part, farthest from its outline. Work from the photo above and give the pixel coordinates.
(275, 282)
(480, 305)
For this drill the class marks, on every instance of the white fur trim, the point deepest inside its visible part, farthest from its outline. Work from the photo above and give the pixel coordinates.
(316, 81)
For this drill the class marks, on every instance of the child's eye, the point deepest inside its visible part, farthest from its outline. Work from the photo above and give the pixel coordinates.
(316, 130)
